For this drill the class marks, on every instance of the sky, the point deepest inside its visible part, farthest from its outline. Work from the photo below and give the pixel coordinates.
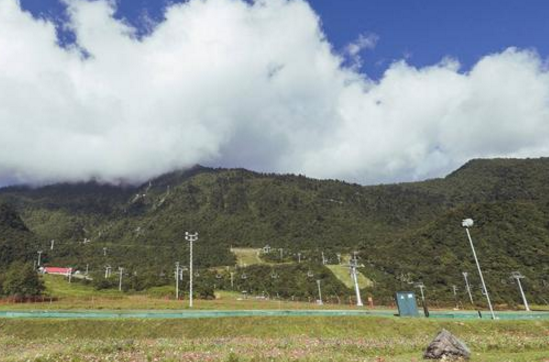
(365, 91)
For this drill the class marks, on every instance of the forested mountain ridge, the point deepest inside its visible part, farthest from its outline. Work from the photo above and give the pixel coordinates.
(411, 229)
(17, 242)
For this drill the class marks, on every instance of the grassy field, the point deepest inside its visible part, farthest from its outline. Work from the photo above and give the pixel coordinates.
(258, 339)
(342, 273)
(247, 256)
(76, 296)
(264, 339)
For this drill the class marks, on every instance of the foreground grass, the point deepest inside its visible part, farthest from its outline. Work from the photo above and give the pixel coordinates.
(264, 339)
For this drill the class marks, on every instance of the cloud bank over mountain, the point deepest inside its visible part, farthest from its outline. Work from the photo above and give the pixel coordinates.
(229, 83)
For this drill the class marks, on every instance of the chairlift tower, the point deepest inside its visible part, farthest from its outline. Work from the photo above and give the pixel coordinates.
(467, 223)
(107, 271)
(191, 238)
(467, 287)
(518, 276)
(455, 289)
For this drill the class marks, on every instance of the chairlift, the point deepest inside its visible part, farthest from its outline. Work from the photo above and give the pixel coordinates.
(197, 274)
(244, 276)
(310, 274)
(218, 276)
(274, 275)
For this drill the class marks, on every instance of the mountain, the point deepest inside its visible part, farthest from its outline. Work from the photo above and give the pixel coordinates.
(17, 242)
(404, 232)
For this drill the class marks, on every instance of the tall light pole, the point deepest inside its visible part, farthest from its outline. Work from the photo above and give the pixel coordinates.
(191, 238)
(467, 223)
(518, 276)
(354, 274)
(468, 287)
(121, 271)
(319, 293)
(177, 281)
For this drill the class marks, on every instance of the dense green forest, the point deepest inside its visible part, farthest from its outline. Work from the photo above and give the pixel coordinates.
(404, 233)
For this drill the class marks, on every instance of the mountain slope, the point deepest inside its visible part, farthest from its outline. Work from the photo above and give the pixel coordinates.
(410, 229)
(16, 240)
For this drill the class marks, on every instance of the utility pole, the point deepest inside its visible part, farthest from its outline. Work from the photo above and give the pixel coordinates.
(70, 275)
(39, 257)
(455, 288)
(319, 293)
(518, 276)
(121, 270)
(191, 238)
(177, 281)
(354, 266)
(467, 223)
(232, 280)
(468, 287)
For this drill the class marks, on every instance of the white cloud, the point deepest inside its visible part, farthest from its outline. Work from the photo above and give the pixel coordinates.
(225, 82)
(363, 42)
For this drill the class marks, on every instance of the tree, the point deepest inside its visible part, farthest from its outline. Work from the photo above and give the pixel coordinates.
(22, 281)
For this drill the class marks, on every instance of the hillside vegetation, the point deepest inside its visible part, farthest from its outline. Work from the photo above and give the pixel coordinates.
(404, 233)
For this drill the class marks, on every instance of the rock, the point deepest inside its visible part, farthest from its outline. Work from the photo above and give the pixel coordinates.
(446, 346)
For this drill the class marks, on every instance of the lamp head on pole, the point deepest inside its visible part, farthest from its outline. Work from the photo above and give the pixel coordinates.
(191, 237)
(467, 223)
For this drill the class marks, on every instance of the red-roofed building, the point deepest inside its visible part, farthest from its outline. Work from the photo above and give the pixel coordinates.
(56, 270)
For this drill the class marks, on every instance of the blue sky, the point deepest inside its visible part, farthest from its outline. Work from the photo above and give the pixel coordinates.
(421, 31)
(386, 91)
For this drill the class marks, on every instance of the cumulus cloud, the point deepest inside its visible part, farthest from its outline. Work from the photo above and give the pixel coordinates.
(363, 42)
(256, 85)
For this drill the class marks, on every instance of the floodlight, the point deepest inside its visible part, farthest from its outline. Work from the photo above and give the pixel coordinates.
(467, 223)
